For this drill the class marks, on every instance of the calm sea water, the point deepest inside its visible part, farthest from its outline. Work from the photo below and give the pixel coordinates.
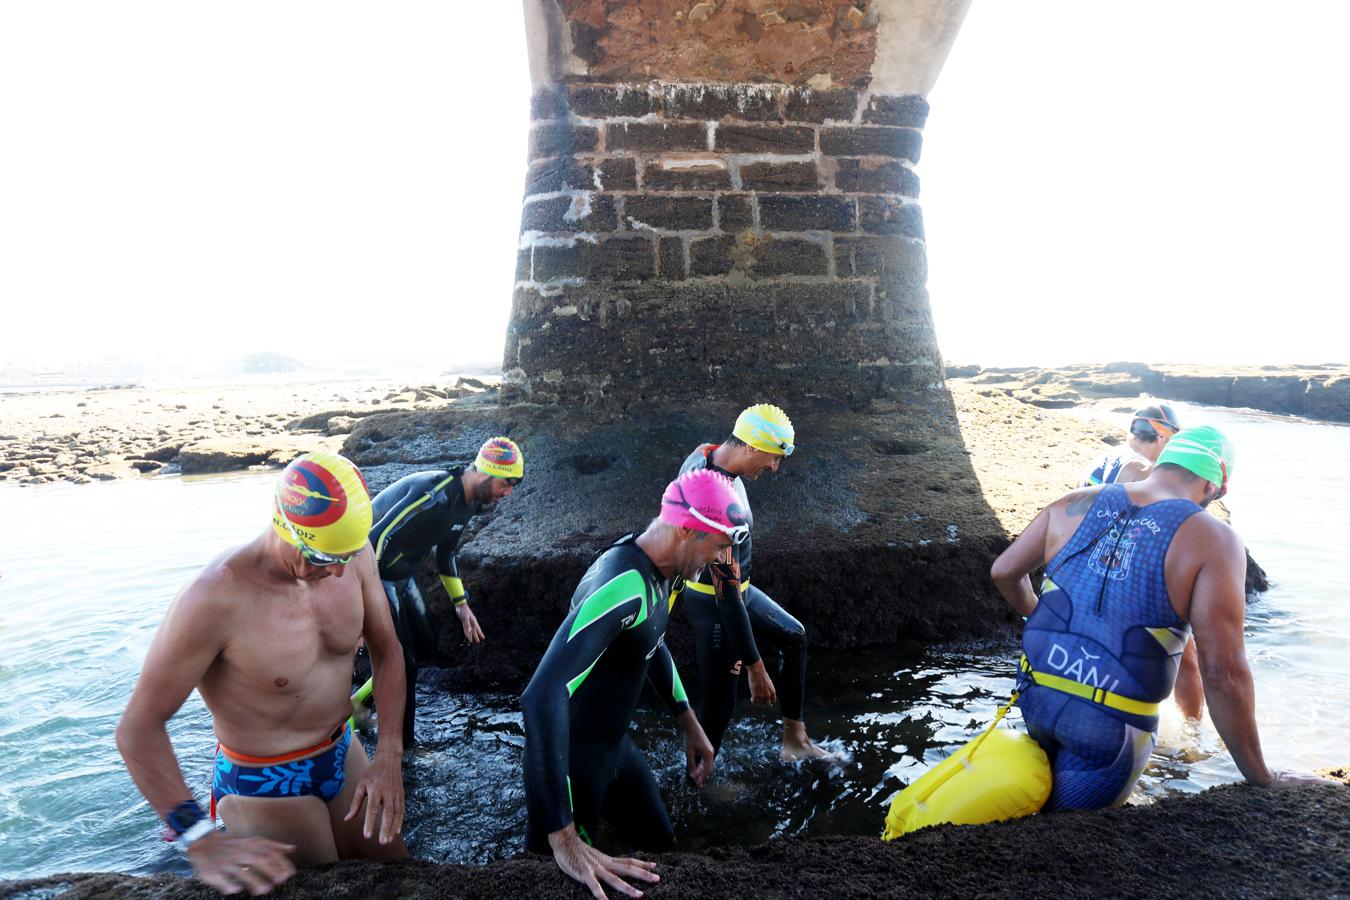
(87, 571)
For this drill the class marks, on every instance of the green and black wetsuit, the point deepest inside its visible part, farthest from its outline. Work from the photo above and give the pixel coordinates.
(413, 516)
(725, 632)
(581, 764)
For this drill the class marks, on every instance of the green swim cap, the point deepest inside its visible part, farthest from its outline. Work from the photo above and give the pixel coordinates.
(1204, 450)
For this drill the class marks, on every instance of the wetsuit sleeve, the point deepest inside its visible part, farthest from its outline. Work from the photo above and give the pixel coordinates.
(731, 609)
(665, 680)
(446, 563)
(447, 567)
(581, 640)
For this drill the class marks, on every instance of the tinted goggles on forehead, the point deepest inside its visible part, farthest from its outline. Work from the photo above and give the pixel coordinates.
(737, 533)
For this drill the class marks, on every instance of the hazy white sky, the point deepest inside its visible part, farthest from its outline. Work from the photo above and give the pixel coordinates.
(187, 181)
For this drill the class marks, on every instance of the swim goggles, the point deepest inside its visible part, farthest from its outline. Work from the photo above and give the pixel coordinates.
(737, 533)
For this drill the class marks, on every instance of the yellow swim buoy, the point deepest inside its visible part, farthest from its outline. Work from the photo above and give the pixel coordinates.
(1002, 774)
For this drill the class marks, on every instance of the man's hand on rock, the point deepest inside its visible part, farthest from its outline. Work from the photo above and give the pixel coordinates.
(234, 864)
(1283, 779)
(589, 866)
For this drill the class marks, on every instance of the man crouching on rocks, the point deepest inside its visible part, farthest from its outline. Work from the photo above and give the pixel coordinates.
(266, 632)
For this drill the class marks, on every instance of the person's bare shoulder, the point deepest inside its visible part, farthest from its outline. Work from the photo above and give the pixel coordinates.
(1134, 470)
(1211, 538)
(221, 583)
(1077, 502)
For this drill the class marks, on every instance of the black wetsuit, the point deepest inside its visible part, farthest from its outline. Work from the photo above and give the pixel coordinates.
(581, 764)
(728, 632)
(413, 515)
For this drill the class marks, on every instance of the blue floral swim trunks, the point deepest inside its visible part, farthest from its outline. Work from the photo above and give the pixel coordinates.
(321, 775)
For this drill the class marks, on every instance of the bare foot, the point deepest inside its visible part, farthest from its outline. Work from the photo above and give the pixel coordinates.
(798, 746)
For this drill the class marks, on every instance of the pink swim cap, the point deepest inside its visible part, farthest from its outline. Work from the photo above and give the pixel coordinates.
(705, 501)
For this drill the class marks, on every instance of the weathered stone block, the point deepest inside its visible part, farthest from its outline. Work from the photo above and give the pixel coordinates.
(886, 215)
(547, 102)
(679, 176)
(718, 101)
(523, 265)
(656, 136)
(891, 257)
(547, 176)
(566, 173)
(560, 139)
(670, 257)
(623, 259)
(790, 256)
(618, 174)
(765, 139)
(807, 105)
(607, 101)
(872, 176)
(734, 212)
(909, 110)
(788, 212)
(668, 213)
(567, 261)
(712, 255)
(791, 176)
(615, 259)
(582, 212)
(901, 143)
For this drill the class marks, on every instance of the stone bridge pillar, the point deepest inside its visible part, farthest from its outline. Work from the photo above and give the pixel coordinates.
(722, 201)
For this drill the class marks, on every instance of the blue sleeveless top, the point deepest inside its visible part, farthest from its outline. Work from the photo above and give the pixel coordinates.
(1104, 617)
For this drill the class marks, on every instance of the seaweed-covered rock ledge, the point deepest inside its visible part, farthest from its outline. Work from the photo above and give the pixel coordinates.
(1232, 841)
(880, 527)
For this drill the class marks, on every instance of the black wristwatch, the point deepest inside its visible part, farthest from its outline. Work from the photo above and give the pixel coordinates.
(189, 824)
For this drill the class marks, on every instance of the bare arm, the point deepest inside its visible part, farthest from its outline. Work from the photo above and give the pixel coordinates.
(1012, 570)
(187, 642)
(381, 787)
(1216, 613)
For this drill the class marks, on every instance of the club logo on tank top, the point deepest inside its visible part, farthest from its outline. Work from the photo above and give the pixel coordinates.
(1113, 553)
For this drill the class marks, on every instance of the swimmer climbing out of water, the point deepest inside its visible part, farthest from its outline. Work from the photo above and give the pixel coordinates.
(733, 620)
(581, 764)
(1150, 430)
(1129, 571)
(423, 513)
(265, 633)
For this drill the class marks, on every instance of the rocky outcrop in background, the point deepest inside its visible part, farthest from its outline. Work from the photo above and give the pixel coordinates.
(1318, 392)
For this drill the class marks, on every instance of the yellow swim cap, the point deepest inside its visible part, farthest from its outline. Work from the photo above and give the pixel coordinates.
(500, 457)
(322, 503)
(765, 427)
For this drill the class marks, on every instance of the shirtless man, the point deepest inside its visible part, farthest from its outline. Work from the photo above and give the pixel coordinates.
(266, 632)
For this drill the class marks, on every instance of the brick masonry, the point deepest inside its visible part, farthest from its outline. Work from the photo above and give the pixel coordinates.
(692, 241)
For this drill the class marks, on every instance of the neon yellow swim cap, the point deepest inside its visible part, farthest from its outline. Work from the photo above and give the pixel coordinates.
(1204, 450)
(765, 427)
(500, 457)
(322, 503)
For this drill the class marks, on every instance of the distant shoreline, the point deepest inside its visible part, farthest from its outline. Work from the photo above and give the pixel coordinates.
(1316, 392)
(103, 433)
